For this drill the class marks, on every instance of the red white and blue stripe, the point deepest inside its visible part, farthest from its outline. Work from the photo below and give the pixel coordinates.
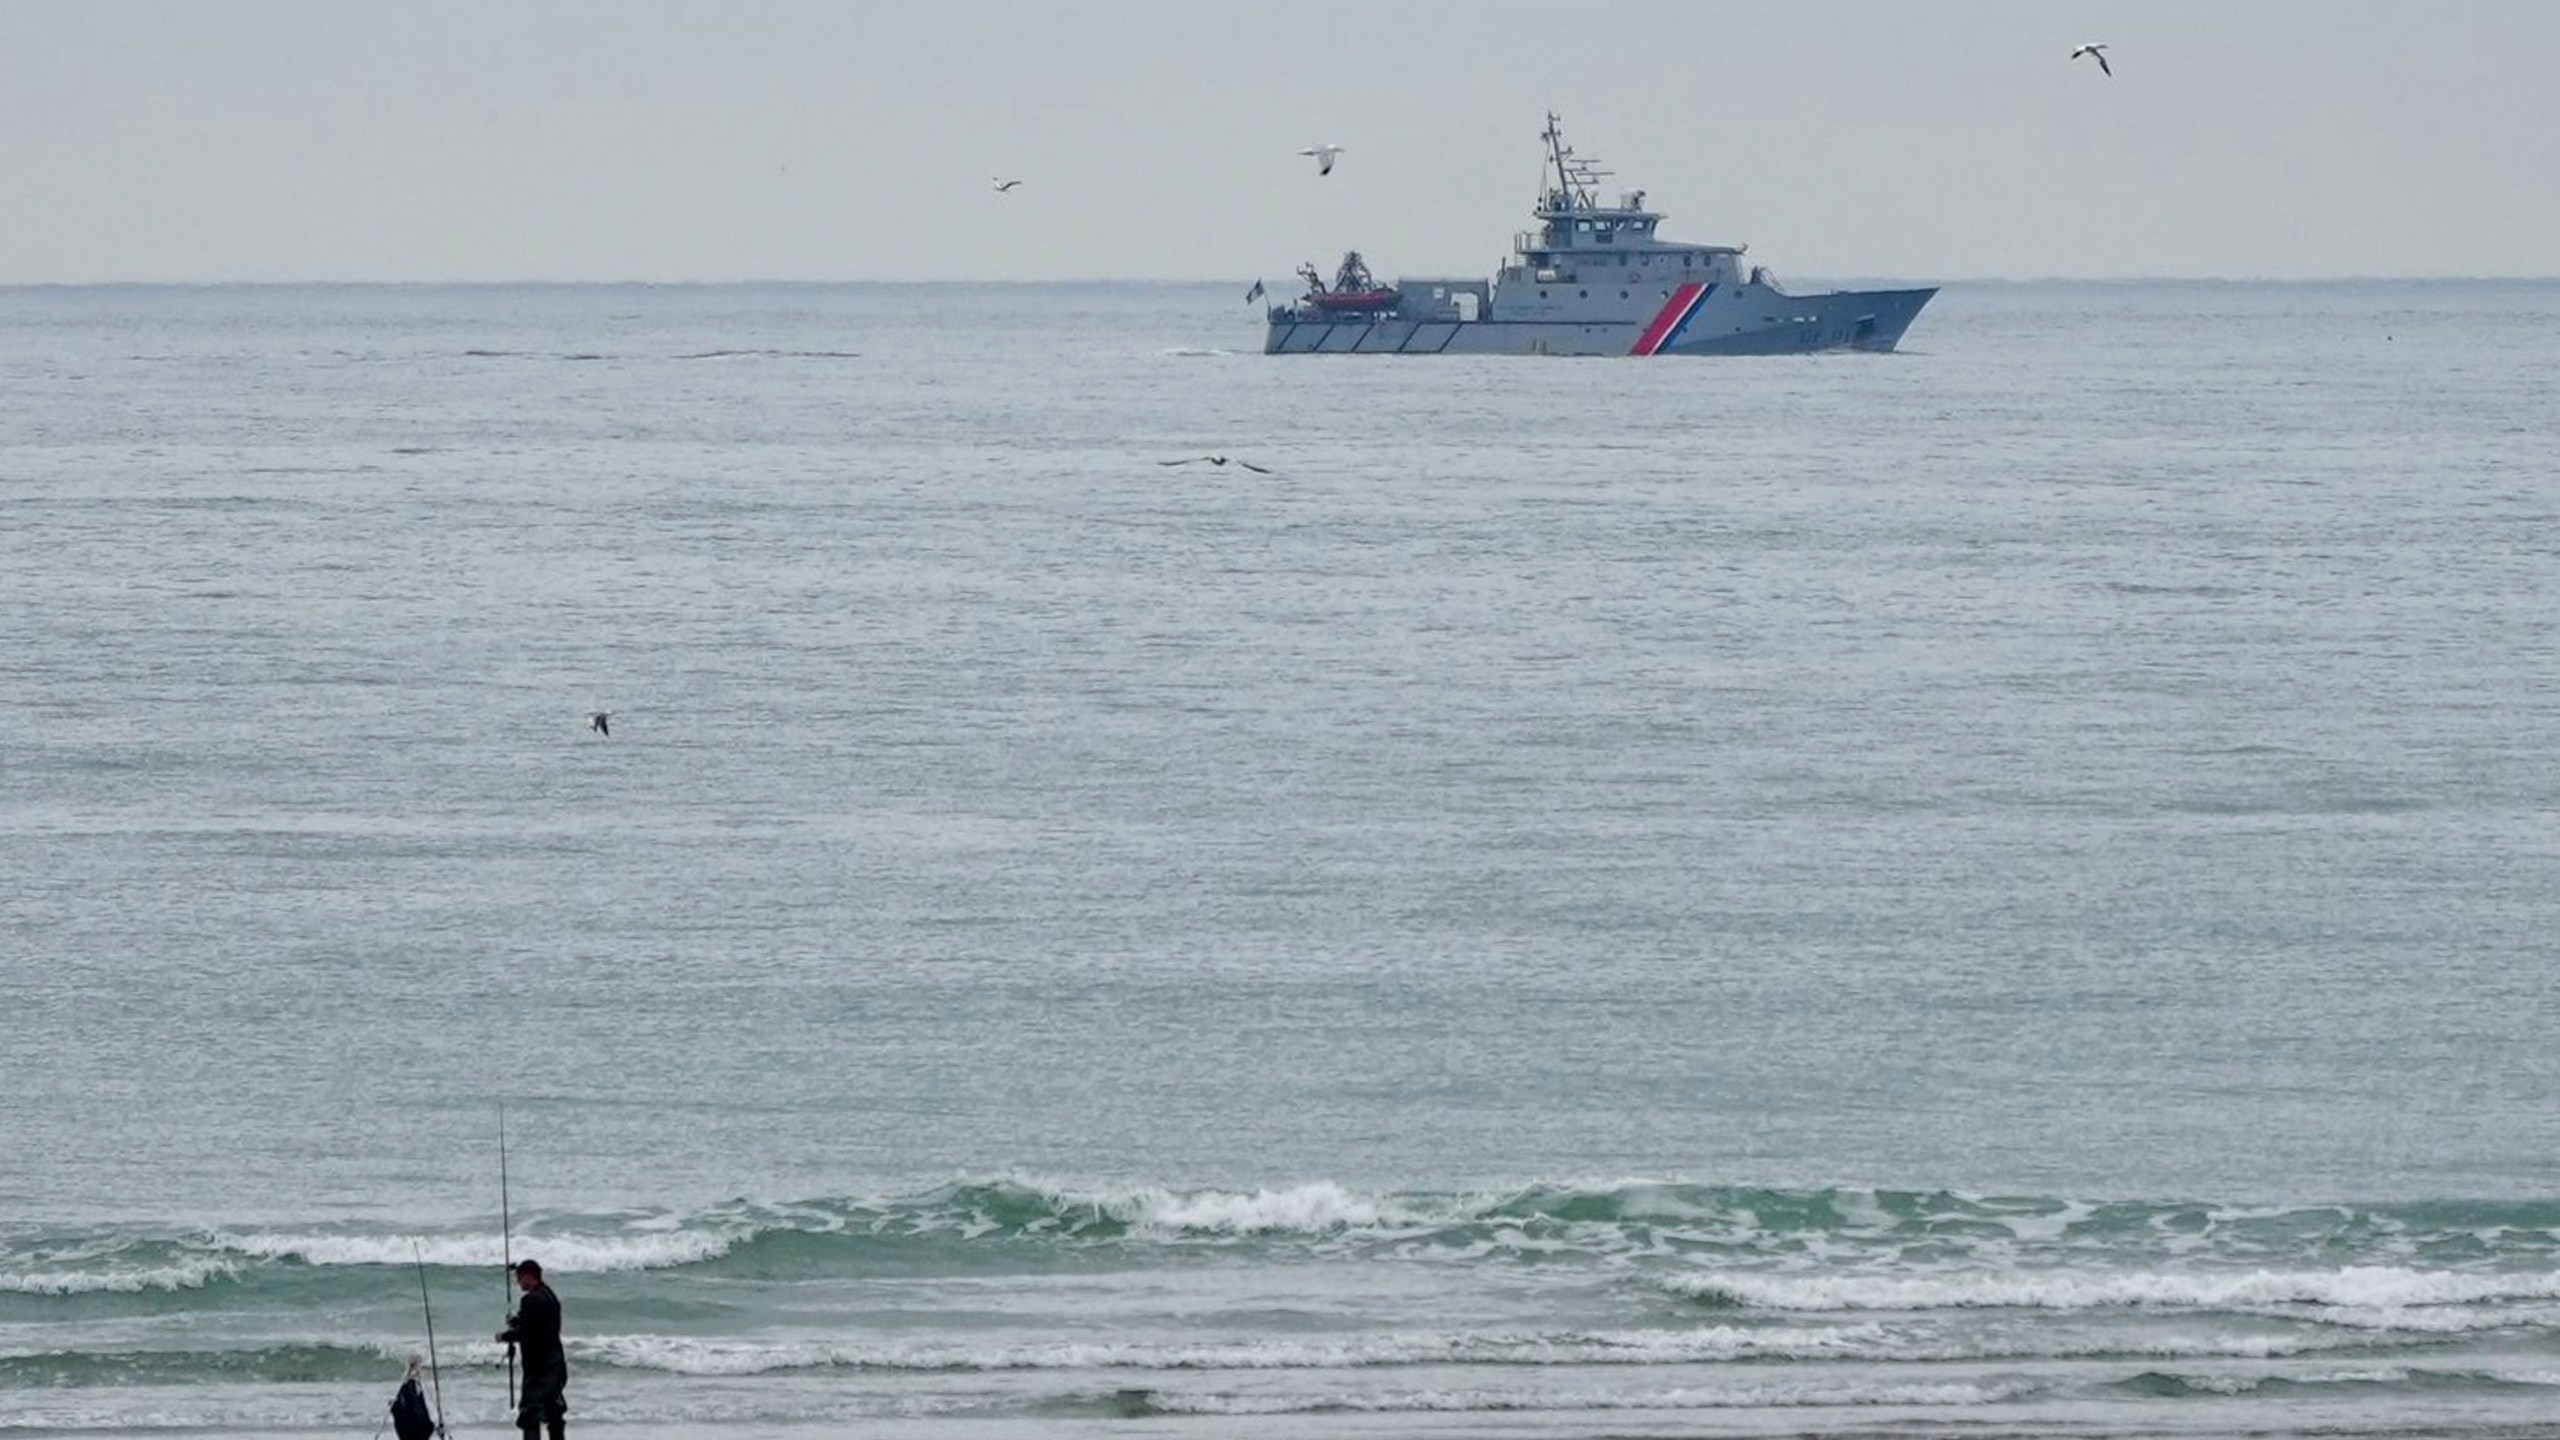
(1672, 318)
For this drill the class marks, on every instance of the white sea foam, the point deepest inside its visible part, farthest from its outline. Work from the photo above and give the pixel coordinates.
(188, 1274)
(2240, 1383)
(700, 1356)
(1748, 1396)
(635, 1249)
(691, 1355)
(2426, 1319)
(1640, 1217)
(2047, 1226)
(2356, 1290)
(1297, 1209)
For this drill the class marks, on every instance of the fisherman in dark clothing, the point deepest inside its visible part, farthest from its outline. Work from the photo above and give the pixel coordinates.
(535, 1330)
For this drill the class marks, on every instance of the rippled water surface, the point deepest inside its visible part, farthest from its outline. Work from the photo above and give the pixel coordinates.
(2011, 884)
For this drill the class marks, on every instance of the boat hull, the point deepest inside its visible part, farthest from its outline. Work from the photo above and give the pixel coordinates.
(1748, 320)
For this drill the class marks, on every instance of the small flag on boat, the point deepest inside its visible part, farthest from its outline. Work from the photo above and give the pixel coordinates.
(1253, 294)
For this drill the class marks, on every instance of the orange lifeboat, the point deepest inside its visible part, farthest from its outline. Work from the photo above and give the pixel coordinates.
(1352, 290)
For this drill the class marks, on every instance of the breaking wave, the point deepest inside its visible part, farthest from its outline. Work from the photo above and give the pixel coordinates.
(1019, 1296)
(1772, 1394)
(704, 1356)
(574, 1251)
(2357, 1294)
(2442, 1267)
(188, 1274)
(691, 1355)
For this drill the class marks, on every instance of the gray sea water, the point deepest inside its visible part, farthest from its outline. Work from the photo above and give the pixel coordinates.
(2011, 886)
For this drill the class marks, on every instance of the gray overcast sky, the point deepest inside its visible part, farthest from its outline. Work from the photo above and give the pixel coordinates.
(512, 139)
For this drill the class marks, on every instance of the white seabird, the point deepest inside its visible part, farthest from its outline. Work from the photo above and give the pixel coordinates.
(2098, 53)
(1323, 156)
(1216, 460)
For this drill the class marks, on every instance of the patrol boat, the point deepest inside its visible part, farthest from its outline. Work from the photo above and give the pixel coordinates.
(1592, 279)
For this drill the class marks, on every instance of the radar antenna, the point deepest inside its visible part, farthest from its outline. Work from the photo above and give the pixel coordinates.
(1577, 179)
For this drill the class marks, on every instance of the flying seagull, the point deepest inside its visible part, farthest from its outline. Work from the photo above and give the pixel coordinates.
(1323, 155)
(1215, 460)
(2098, 53)
(600, 722)
(1002, 184)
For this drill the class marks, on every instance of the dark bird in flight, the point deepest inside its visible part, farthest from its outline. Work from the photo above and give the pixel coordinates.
(2098, 53)
(600, 722)
(1215, 460)
(1002, 184)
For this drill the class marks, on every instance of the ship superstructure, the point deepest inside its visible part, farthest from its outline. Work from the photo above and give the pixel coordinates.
(1593, 278)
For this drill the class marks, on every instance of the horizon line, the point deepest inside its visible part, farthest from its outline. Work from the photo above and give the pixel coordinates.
(1171, 282)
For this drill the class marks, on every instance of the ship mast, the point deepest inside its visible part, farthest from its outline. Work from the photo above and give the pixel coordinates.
(1577, 179)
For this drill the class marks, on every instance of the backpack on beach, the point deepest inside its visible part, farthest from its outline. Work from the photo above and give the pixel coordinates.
(409, 1417)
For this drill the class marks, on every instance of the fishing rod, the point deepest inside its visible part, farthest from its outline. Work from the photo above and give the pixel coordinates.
(435, 1369)
(507, 1247)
